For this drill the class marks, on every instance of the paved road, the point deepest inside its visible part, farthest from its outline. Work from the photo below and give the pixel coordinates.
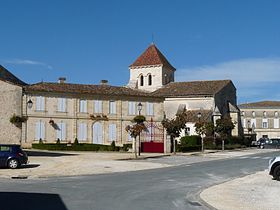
(171, 188)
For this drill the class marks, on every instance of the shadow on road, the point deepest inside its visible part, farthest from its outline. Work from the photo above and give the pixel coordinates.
(46, 154)
(30, 201)
(29, 166)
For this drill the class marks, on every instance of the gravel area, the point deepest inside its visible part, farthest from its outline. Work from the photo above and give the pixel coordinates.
(254, 192)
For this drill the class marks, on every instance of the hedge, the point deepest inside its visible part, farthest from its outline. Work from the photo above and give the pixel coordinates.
(76, 147)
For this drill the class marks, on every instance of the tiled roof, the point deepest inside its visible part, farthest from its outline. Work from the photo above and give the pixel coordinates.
(7, 76)
(260, 104)
(151, 56)
(85, 89)
(206, 115)
(191, 89)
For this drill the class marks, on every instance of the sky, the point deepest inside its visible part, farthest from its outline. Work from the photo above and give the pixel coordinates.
(89, 40)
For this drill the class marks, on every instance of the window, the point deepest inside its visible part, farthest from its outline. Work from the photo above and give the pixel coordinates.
(83, 105)
(112, 132)
(187, 131)
(264, 123)
(244, 123)
(243, 114)
(129, 137)
(61, 131)
(149, 79)
(253, 123)
(276, 123)
(112, 107)
(61, 105)
(149, 108)
(40, 103)
(82, 132)
(39, 130)
(253, 114)
(131, 108)
(97, 106)
(141, 80)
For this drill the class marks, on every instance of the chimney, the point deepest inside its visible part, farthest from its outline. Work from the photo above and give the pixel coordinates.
(61, 80)
(104, 82)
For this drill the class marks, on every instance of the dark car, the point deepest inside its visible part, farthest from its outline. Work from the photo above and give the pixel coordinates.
(269, 143)
(12, 156)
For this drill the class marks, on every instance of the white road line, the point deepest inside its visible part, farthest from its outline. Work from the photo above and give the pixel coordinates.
(266, 158)
(243, 157)
(255, 157)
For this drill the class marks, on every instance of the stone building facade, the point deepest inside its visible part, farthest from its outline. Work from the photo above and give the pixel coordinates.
(261, 118)
(100, 113)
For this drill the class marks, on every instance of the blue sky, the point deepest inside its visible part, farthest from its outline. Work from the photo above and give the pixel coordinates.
(87, 41)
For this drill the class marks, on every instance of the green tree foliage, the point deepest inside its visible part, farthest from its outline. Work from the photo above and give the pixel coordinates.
(224, 127)
(174, 126)
(204, 128)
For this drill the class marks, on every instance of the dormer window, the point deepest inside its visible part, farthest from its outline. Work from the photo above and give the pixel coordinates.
(141, 80)
(149, 79)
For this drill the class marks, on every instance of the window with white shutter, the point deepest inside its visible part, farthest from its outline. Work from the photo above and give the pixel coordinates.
(97, 106)
(112, 107)
(253, 123)
(264, 123)
(82, 132)
(61, 105)
(276, 123)
(40, 130)
(149, 108)
(40, 103)
(112, 132)
(61, 131)
(83, 105)
(131, 108)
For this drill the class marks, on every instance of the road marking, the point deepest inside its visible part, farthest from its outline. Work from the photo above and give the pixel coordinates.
(255, 157)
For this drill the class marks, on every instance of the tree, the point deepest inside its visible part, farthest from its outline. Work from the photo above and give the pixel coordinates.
(224, 127)
(204, 129)
(174, 126)
(136, 129)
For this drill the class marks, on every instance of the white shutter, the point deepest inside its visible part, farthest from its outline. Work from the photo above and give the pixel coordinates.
(37, 131)
(61, 132)
(40, 103)
(42, 130)
(112, 107)
(131, 108)
(276, 123)
(82, 133)
(97, 106)
(149, 108)
(83, 105)
(112, 132)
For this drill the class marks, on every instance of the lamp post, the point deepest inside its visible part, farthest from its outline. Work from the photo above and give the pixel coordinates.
(202, 143)
(29, 105)
(139, 107)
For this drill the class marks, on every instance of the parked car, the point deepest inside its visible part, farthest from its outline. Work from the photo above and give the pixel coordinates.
(268, 143)
(12, 156)
(274, 168)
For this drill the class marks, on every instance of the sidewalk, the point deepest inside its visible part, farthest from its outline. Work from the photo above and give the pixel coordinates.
(254, 192)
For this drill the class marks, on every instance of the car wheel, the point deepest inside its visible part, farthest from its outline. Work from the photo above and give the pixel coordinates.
(276, 173)
(13, 163)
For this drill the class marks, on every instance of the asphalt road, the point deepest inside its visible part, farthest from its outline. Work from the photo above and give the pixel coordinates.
(170, 188)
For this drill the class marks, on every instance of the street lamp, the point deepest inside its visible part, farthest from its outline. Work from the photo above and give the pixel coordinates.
(29, 104)
(139, 107)
(202, 143)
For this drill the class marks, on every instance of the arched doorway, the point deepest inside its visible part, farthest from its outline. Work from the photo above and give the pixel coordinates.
(97, 130)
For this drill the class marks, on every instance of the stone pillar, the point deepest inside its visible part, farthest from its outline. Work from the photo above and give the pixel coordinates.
(167, 143)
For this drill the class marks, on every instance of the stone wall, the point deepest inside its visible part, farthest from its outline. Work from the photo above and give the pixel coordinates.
(10, 103)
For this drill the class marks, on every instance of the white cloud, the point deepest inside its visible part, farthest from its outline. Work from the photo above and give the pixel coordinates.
(254, 78)
(27, 62)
